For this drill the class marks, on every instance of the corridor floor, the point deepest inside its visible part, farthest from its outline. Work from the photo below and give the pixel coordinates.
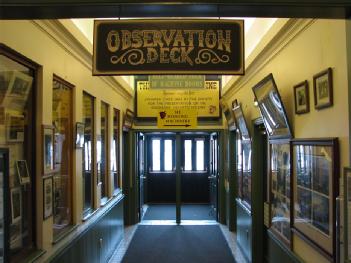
(120, 252)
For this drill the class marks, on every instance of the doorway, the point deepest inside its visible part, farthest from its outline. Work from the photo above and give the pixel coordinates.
(177, 176)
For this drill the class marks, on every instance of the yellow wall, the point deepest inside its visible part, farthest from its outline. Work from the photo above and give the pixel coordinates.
(318, 45)
(55, 50)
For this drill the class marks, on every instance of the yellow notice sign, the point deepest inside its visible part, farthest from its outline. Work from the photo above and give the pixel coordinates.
(177, 119)
(204, 101)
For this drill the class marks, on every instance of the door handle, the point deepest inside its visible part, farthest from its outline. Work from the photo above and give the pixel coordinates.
(142, 177)
(211, 177)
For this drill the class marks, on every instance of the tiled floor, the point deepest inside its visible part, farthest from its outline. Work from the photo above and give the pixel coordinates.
(130, 230)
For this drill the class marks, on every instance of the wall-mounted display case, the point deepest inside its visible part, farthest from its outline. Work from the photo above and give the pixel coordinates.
(315, 188)
(280, 189)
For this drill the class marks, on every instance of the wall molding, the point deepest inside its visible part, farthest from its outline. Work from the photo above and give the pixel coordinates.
(68, 42)
(277, 44)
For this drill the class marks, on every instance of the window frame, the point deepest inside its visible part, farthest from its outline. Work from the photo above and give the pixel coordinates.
(162, 154)
(117, 179)
(104, 180)
(207, 147)
(87, 211)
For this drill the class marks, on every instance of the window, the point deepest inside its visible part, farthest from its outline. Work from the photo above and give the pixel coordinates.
(117, 184)
(194, 154)
(156, 155)
(200, 154)
(88, 120)
(17, 97)
(168, 155)
(188, 155)
(162, 158)
(62, 113)
(102, 152)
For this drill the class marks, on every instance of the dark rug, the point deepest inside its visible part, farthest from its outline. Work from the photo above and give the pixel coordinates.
(188, 212)
(178, 244)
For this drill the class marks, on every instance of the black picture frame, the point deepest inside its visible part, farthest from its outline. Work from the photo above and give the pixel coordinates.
(301, 98)
(79, 135)
(48, 132)
(228, 114)
(272, 109)
(315, 188)
(128, 119)
(22, 172)
(323, 89)
(48, 189)
(241, 123)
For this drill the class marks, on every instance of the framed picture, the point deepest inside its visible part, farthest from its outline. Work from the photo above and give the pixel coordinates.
(228, 113)
(48, 149)
(234, 103)
(280, 189)
(14, 128)
(79, 135)
(241, 123)
(128, 120)
(315, 188)
(302, 99)
(272, 108)
(17, 91)
(22, 171)
(16, 205)
(47, 196)
(347, 218)
(323, 89)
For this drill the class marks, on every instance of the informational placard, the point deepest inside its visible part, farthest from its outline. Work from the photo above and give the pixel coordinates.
(204, 101)
(132, 47)
(177, 119)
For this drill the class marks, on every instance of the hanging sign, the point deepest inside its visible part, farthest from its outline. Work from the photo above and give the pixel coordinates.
(177, 119)
(204, 101)
(131, 47)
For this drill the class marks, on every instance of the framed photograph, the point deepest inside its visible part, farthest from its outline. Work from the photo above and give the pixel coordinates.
(241, 123)
(272, 108)
(228, 113)
(279, 189)
(14, 128)
(315, 188)
(47, 197)
(347, 218)
(302, 99)
(48, 149)
(16, 205)
(17, 91)
(79, 135)
(128, 120)
(323, 89)
(22, 171)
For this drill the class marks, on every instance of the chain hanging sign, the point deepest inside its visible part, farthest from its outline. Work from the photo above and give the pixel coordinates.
(132, 47)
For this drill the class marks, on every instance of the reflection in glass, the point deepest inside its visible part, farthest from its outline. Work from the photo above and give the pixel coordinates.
(280, 187)
(188, 155)
(88, 120)
(62, 121)
(313, 167)
(239, 165)
(168, 155)
(246, 172)
(200, 154)
(115, 151)
(16, 99)
(156, 155)
(102, 150)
